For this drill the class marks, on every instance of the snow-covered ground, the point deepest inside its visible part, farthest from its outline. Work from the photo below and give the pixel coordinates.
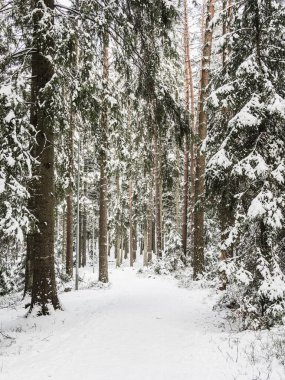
(139, 328)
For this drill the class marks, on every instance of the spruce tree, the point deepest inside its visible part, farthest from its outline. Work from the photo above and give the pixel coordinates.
(246, 146)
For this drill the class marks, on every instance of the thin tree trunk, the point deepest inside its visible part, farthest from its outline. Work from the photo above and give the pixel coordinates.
(44, 293)
(122, 249)
(63, 236)
(69, 200)
(80, 236)
(131, 223)
(150, 227)
(177, 193)
(189, 103)
(103, 228)
(126, 247)
(157, 196)
(84, 236)
(118, 235)
(198, 256)
(69, 234)
(135, 240)
(145, 253)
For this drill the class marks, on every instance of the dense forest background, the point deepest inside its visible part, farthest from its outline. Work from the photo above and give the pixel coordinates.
(150, 129)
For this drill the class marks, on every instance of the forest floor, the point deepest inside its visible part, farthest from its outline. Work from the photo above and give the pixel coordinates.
(141, 327)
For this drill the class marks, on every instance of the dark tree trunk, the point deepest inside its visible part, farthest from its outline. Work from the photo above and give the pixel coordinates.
(44, 293)
(157, 196)
(69, 200)
(29, 267)
(69, 234)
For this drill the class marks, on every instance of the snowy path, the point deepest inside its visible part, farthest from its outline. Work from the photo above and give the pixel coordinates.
(139, 329)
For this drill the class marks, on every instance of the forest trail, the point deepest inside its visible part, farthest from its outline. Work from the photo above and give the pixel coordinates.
(141, 328)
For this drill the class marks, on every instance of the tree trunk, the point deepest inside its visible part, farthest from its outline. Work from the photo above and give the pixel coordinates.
(118, 222)
(84, 236)
(177, 193)
(150, 228)
(189, 104)
(103, 213)
(157, 196)
(69, 198)
(80, 237)
(131, 224)
(145, 251)
(135, 241)
(198, 254)
(44, 293)
(126, 247)
(29, 267)
(63, 257)
(69, 234)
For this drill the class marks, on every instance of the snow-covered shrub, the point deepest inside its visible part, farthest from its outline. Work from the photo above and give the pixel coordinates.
(255, 290)
(171, 260)
(12, 277)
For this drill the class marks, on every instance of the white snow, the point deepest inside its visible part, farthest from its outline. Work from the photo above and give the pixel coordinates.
(2, 185)
(140, 328)
(10, 116)
(256, 208)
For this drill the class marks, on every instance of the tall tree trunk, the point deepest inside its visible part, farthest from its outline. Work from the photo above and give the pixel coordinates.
(84, 236)
(80, 236)
(44, 293)
(84, 227)
(145, 252)
(103, 213)
(198, 254)
(135, 240)
(150, 226)
(69, 233)
(118, 234)
(64, 236)
(157, 196)
(69, 198)
(131, 223)
(177, 192)
(189, 104)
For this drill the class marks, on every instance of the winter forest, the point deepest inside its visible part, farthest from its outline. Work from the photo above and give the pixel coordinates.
(142, 189)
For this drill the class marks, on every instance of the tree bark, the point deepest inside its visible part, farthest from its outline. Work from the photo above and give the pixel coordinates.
(69, 198)
(44, 293)
(118, 235)
(69, 234)
(29, 267)
(198, 254)
(188, 148)
(157, 196)
(84, 227)
(103, 213)
(150, 227)
(131, 250)
(145, 252)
